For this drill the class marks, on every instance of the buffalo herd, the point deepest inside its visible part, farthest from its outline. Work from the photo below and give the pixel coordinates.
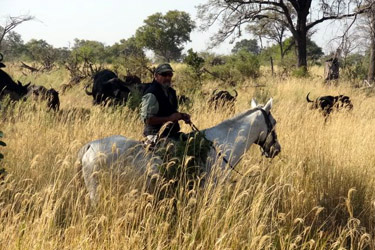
(17, 91)
(109, 89)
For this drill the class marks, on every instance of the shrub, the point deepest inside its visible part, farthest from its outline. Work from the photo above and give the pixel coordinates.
(300, 72)
(246, 63)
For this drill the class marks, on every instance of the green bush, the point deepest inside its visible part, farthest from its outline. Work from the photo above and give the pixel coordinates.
(195, 64)
(354, 67)
(246, 63)
(301, 72)
(236, 68)
(186, 81)
(134, 100)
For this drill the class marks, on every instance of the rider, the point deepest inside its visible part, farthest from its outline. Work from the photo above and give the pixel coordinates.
(159, 107)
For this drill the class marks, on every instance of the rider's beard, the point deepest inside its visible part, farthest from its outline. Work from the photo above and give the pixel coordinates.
(167, 84)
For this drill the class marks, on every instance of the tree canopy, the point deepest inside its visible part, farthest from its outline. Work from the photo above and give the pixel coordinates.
(297, 15)
(250, 45)
(166, 34)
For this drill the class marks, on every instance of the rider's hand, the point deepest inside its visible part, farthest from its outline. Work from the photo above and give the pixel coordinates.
(186, 118)
(175, 117)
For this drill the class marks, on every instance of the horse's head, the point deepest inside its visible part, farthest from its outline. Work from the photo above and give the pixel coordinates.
(267, 138)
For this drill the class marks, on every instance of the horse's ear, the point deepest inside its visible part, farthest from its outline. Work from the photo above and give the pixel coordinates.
(253, 103)
(268, 105)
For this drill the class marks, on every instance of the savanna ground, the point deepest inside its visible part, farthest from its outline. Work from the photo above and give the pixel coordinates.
(319, 193)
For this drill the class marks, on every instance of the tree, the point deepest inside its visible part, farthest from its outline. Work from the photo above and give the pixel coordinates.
(195, 62)
(13, 46)
(91, 54)
(11, 23)
(165, 35)
(313, 51)
(371, 24)
(298, 16)
(271, 29)
(129, 54)
(247, 45)
(41, 52)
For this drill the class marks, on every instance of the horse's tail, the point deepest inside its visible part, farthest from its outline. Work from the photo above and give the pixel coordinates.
(78, 163)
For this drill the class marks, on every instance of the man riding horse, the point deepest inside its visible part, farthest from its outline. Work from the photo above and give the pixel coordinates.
(159, 108)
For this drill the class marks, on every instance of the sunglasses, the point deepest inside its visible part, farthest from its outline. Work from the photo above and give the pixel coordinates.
(165, 74)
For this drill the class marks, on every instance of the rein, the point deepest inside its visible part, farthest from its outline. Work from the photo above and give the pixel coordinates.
(269, 131)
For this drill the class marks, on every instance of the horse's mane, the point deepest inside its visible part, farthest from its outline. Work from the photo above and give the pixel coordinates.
(229, 121)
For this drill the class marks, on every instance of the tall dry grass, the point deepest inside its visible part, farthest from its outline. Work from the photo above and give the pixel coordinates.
(317, 194)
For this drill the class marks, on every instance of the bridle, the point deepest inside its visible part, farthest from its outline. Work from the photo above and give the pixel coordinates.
(270, 131)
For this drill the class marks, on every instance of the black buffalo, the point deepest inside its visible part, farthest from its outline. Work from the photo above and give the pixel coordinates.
(41, 93)
(183, 99)
(8, 87)
(329, 103)
(109, 89)
(222, 99)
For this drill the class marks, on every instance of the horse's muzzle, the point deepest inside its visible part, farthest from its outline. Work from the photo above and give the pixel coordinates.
(274, 150)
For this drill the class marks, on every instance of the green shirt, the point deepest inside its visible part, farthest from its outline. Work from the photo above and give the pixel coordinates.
(149, 106)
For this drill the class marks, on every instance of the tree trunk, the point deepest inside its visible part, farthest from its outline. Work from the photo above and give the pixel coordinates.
(331, 69)
(301, 40)
(371, 69)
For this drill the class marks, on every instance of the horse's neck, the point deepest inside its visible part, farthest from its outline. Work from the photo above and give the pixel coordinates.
(235, 136)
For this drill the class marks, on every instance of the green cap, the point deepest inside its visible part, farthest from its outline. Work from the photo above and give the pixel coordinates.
(164, 67)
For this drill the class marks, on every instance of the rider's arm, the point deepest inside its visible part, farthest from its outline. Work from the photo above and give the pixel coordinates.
(149, 109)
(149, 106)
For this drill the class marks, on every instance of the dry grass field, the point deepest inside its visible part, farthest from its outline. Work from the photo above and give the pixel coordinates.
(318, 193)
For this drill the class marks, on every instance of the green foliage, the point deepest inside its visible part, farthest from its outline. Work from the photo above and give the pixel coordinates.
(186, 82)
(300, 72)
(354, 66)
(86, 58)
(41, 52)
(237, 67)
(85, 51)
(166, 34)
(314, 52)
(134, 100)
(195, 63)
(250, 46)
(246, 63)
(12, 46)
(184, 158)
(287, 58)
(128, 56)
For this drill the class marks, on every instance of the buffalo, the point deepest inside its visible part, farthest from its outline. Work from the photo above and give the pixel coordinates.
(183, 99)
(329, 103)
(41, 93)
(222, 99)
(108, 88)
(8, 87)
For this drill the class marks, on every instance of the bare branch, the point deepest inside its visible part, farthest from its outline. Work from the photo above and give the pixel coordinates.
(338, 17)
(11, 23)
